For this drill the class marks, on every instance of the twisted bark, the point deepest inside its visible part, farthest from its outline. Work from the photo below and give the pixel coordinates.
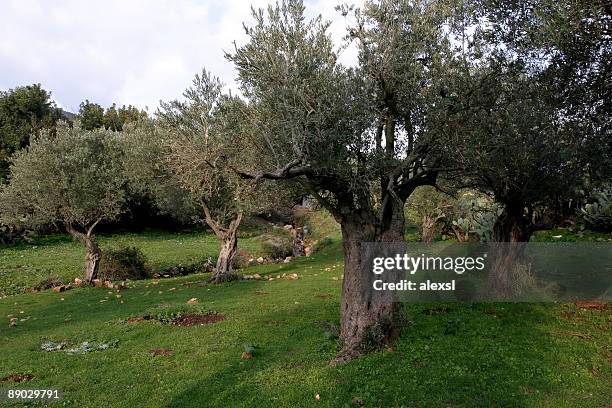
(92, 254)
(228, 236)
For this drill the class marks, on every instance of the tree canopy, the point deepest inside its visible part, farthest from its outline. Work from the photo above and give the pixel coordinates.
(71, 178)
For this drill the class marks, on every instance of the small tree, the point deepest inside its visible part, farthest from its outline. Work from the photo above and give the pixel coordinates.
(72, 179)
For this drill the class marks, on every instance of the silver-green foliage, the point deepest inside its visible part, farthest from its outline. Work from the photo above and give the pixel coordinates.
(72, 177)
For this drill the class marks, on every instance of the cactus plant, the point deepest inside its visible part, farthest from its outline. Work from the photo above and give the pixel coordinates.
(598, 214)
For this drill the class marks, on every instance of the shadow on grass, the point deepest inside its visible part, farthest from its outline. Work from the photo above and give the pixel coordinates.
(452, 354)
(464, 356)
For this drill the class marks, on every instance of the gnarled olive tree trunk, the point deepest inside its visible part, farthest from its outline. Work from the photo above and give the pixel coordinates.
(510, 233)
(368, 318)
(92, 254)
(228, 237)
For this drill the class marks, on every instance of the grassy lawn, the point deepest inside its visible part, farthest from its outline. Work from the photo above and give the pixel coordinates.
(59, 256)
(451, 355)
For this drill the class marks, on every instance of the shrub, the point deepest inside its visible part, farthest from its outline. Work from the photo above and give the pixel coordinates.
(241, 260)
(321, 244)
(277, 243)
(124, 263)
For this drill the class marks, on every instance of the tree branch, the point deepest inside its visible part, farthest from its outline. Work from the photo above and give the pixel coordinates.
(290, 170)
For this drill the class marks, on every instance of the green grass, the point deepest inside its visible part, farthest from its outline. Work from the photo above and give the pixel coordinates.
(59, 256)
(451, 355)
(567, 235)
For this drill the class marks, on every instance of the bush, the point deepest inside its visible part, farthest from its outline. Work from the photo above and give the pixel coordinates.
(322, 244)
(241, 260)
(124, 263)
(277, 244)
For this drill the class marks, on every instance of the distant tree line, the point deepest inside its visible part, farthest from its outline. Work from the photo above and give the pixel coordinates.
(93, 116)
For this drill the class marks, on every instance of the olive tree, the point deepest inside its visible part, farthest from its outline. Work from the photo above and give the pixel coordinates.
(531, 112)
(185, 160)
(534, 114)
(359, 140)
(72, 179)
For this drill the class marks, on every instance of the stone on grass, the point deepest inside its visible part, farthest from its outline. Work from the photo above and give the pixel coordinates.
(192, 301)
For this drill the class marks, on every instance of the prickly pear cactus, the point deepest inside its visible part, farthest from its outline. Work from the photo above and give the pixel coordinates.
(485, 221)
(598, 214)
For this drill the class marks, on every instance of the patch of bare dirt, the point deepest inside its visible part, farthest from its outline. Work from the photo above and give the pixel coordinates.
(197, 320)
(323, 295)
(160, 352)
(591, 304)
(18, 378)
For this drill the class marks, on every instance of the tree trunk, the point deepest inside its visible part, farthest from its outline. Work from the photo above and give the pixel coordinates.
(92, 255)
(368, 318)
(92, 259)
(229, 246)
(511, 226)
(428, 229)
(510, 233)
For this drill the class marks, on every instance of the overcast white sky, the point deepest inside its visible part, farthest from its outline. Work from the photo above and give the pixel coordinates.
(126, 51)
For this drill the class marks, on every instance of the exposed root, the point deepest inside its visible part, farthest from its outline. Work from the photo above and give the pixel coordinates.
(345, 356)
(223, 277)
